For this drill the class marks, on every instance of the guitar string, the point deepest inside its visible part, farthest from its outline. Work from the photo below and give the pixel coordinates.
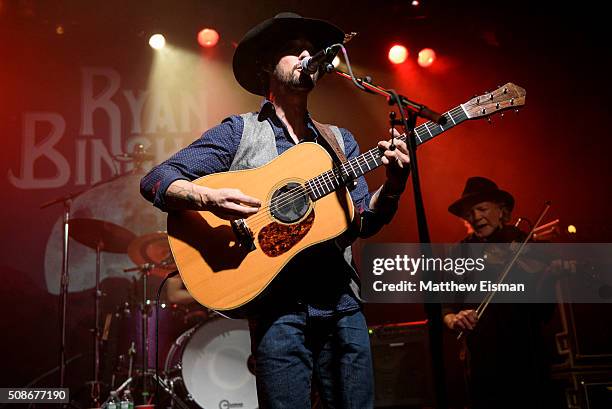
(319, 182)
(299, 192)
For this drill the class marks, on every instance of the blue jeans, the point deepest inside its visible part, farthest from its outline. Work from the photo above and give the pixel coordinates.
(292, 349)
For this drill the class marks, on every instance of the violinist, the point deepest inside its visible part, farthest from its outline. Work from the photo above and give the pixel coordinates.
(504, 366)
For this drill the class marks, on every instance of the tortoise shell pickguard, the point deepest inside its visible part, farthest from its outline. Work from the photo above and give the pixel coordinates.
(276, 238)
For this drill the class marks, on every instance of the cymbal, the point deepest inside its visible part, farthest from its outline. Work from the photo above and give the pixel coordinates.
(93, 232)
(153, 248)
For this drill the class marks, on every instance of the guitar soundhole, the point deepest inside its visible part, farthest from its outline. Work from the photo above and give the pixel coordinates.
(289, 203)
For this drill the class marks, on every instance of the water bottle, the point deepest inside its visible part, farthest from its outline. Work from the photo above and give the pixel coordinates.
(127, 402)
(112, 403)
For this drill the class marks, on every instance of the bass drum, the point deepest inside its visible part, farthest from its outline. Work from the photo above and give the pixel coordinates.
(208, 365)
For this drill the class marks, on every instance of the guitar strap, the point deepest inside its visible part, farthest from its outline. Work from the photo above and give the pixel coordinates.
(331, 141)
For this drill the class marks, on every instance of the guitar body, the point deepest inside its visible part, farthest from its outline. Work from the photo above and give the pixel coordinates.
(223, 273)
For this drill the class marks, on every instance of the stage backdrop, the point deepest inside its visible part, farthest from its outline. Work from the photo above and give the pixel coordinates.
(80, 85)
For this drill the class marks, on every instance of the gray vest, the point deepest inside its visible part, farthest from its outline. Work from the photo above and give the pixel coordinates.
(258, 147)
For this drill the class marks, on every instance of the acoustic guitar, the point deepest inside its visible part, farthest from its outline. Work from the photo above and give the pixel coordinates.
(225, 265)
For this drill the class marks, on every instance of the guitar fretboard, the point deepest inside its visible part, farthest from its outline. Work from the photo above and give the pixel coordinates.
(330, 181)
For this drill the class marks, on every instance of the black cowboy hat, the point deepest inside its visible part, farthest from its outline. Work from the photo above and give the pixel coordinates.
(478, 189)
(265, 39)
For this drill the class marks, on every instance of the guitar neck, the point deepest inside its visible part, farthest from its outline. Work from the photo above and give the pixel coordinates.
(331, 180)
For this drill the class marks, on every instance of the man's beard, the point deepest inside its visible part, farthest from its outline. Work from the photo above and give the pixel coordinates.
(302, 82)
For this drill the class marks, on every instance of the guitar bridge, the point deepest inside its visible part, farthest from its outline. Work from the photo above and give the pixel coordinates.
(244, 235)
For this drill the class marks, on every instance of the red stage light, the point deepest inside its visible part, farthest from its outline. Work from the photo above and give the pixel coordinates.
(208, 38)
(398, 54)
(427, 56)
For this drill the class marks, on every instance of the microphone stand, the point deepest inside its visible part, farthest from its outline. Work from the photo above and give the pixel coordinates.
(409, 111)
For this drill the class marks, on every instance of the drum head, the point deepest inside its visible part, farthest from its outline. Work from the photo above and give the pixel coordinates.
(214, 365)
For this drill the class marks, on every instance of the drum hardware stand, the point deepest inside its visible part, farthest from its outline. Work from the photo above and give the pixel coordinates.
(169, 390)
(116, 392)
(156, 375)
(95, 384)
(131, 353)
(146, 268)
(101, 236)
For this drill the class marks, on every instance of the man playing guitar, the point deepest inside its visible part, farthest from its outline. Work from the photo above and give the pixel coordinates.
(308, 324)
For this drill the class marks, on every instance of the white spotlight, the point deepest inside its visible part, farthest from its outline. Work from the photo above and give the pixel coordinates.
(157, 41)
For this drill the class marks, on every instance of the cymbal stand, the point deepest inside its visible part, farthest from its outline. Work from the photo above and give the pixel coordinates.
(145, 332)
(64, 280)
(95, 384)
(64, 291)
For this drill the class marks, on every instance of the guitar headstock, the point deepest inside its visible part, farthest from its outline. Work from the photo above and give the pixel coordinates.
(509, 96)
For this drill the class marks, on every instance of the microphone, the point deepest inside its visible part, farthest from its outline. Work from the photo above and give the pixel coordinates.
(310, 65)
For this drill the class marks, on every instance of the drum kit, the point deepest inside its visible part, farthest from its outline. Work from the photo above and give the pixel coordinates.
(203, 360)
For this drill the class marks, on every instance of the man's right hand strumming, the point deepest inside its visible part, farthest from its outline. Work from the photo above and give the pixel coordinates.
(228, 204)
